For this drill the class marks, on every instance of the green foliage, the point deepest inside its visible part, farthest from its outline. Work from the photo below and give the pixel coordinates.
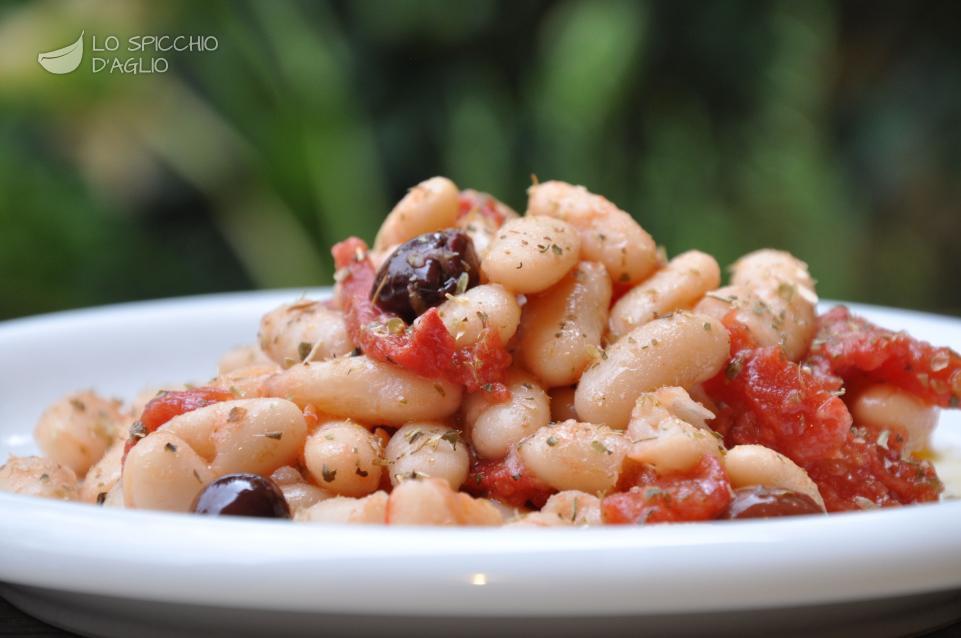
(825, 129)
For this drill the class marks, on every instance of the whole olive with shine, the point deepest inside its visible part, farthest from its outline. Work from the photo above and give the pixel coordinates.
(242, 494)
(759, 501)
(421, 272)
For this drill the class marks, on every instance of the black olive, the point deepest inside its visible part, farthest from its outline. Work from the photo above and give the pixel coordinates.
(769, 502)
(421, 272)
(242, 494)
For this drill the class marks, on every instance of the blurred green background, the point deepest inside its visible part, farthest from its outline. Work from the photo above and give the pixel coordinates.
(831, 130)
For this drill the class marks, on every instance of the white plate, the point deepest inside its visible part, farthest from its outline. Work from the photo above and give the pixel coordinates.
(114, 572)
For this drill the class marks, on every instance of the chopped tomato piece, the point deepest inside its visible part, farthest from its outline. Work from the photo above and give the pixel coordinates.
(508, 481)
(425, 348)
(167, 405)
(849, 345)
(702, 493)
(765, 398)
(870, 471)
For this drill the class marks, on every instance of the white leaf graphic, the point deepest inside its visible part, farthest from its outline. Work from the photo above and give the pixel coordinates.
(63, 60)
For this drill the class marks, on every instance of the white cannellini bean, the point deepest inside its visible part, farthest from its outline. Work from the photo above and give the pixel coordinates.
(531, 254)
(774, 316)
(246, 435)
(433, 502)
(562, 327)
(365, 390)
(167, 468)
(163, 472)
(767, 268)
(104, 475)
(574, 456)
(431, 205)
(245, 383)
(562, 403)
(298, 493)
(427, 450)
(608, 234)
(574, 507)
(242, 357)
(38, 476)
(749, 465)
(662, 438)
(344, 458)
(679, 285)
(77, 430)
(487, 305)
(495, 427)
(887, 407)
(304, 331)
(370, 510)
(680, 350)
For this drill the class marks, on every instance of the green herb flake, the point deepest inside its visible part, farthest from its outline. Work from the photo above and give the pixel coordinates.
(303, 350)
(101, 498)
(276, 436)
(328, 474)
(551, 441)
(452, 437)
(170, 447)
(600, 447)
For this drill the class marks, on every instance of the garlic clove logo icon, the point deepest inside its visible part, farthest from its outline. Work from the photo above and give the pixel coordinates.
(65, 60)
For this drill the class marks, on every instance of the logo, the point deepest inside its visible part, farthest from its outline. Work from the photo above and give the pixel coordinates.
(65, 60)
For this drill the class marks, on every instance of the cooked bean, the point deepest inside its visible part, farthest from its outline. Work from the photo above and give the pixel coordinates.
(887, 407)
(774, 316)
(242, 357)
(608, 234)
(488, 305)
(344, 458)
(562, 404)
(422, 450)
(748, 465)
(431, 205)
(103, 476)
(365, 390)
(247, 435)
(562, 326)
(245, 383)
(38, 476)
(661, 438)
(680, 350)
(370, 510)
(298, 493)
(531, 254)
(163, 472)
(304, 331)
(679, 285)
(574, 507)
(433, 502)
(77, 430)
(767, 268)
(574, 456)
(495, 427)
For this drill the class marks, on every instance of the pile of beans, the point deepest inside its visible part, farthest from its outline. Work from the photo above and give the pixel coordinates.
(599, 402)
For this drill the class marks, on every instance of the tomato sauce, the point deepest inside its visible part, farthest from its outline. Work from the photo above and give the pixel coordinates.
(700, 494)
(850, 346)
(508, 481)
(767, 399)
